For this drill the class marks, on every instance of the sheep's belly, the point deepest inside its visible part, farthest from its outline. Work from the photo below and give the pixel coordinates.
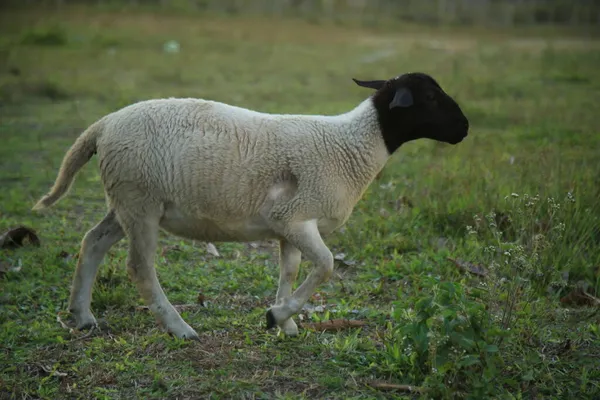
(205, 229)
(245, 230)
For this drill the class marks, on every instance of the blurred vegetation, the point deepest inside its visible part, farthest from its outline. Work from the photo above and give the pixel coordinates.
(461, 12)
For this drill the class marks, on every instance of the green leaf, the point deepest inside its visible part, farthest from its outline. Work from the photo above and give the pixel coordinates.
(469, 360)
(491, 348)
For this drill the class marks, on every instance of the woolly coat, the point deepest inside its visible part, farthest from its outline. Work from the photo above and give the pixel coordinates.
(220, 172)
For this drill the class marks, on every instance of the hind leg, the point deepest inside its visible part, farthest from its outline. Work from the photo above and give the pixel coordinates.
(142, 231)
(289, 262)
(96, 242)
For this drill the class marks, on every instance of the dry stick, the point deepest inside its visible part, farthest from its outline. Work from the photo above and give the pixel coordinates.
(71, 330)
(87, 335)
(62, 324)
(397, 387)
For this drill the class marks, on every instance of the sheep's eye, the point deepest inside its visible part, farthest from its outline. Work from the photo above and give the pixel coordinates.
(430, 97)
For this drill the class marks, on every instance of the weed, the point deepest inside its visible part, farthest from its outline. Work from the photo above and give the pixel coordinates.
(50, 35)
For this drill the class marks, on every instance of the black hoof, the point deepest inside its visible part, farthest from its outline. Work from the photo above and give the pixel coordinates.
(86, 326)
(270, 320)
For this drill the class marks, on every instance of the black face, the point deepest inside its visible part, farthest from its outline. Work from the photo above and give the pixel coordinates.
(414, 106)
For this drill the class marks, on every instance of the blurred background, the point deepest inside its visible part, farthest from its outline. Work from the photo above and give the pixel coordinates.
(494, 12)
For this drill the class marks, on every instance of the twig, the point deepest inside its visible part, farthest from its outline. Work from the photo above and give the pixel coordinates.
(50, 371)
(87, 335)
(62, 324)
(397, 387)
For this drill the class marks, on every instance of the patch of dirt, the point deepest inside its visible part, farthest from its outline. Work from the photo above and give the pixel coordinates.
(214, 350)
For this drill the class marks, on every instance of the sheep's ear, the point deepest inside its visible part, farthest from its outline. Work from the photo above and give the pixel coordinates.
(402, 98)
(370, 84)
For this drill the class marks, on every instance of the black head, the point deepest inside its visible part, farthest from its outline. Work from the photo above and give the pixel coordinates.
(414, 106)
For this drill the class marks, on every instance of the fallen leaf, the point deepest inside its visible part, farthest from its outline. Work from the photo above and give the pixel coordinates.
(14, 237)
(580, 297)
(397, 387)
(200, 299)
(211, 249)
(470, 267)
(334, 324)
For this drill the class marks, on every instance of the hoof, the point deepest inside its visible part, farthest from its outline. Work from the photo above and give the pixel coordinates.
(186, 336)
(182, 330)
(84, 321)
(271, 323)
(193, 337)
(186, 333)
(290, 328)
(86, 325)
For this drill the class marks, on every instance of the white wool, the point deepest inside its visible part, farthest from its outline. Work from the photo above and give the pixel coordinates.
(214, 172)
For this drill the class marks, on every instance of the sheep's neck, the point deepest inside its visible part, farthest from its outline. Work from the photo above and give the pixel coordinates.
(357, 148)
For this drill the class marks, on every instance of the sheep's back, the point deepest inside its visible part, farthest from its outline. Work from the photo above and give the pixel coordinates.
(185, 151)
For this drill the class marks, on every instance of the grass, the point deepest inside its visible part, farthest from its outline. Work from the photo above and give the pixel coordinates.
(519, 197)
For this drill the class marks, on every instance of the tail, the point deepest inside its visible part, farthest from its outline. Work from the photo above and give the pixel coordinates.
(78, 155)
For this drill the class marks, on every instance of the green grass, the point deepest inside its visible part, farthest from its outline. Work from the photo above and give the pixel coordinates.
(532, 101)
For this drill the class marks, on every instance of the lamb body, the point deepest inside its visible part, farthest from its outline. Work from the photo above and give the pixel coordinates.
(209, 171)
(218, 169)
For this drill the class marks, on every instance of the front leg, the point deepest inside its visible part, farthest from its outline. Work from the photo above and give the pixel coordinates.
(289, 262)
(306, 238)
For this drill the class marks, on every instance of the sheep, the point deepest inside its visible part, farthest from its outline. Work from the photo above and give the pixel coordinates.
(209, 171)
